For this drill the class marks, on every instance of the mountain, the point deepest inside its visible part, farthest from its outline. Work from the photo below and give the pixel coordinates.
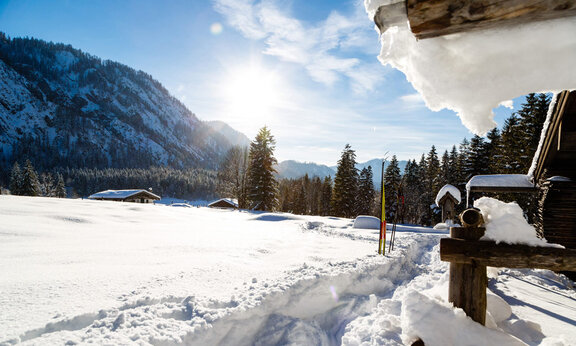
(293, 169)
(61, 107)
(376, 165)
(235, 138)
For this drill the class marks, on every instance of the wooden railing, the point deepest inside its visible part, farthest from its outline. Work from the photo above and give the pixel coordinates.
(469, 257)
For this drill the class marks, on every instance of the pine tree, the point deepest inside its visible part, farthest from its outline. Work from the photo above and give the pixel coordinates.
(60, 191)
(46, 185)
(326, 196)
(432, 183)
(345, 184)
(262, 185)
(392, 180)
(477, 160)
(16, 180)
(445, 170)
(365, 192)
(30, 183)
(512, 141)
(493, 151)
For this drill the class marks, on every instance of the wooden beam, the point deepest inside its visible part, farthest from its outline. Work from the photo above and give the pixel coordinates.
(490, 254)
(432, 18)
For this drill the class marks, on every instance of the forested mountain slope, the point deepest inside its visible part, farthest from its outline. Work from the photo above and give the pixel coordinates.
(61, 107)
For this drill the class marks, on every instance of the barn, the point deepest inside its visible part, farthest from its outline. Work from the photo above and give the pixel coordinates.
(134, 196)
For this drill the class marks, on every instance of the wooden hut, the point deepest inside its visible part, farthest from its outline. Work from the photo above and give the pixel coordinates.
(135, 196)
(448, 198)
(224, 203)
(554, 170)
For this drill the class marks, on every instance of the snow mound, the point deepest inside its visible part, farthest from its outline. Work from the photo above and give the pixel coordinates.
(473, 72)
(505, 223)
(367, 222)
(446, 225)
(448, 189)
(428, 319)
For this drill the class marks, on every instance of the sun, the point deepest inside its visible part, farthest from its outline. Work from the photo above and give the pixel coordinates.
(251, 93)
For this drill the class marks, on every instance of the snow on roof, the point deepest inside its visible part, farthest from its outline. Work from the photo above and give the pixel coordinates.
(471, 73)
(119, 194)
(543, 135)
(448, 189)
(513, 181)
(230, 201)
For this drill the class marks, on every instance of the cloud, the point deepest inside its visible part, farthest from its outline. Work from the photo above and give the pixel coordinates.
(507, 104)
(411, 101)
(322, 48)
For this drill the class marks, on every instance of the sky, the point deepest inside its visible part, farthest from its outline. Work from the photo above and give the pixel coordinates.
(305, 69)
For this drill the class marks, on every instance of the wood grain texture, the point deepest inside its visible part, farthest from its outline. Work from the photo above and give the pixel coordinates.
(490, 254)
(432, 18)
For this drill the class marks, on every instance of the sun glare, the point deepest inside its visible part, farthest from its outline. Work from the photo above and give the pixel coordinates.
(251, 93)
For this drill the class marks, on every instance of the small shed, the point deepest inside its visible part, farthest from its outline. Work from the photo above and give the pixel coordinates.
(514, 183)
(448, 198)
(224, 203)
(134, 196)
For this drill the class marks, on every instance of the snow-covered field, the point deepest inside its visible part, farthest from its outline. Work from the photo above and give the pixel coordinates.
(79, 271)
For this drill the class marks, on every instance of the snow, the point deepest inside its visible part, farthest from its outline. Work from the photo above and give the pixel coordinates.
(366, 222)
(118, 194)
(460, 71)
(505, 223)
(84, 271)
(446, 225)
(500, 180)
(545, 127)
(448, 189)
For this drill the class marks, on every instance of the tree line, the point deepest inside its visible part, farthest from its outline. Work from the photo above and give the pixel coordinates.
(25, 181)
(409, 195)
(248, 174)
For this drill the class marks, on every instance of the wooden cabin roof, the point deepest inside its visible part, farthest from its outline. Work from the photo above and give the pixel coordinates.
(429, 19)
(122, 194)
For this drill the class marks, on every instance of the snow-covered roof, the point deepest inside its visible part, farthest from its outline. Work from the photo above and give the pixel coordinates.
(543, 135)
(119, 194)
(498, 182)
(474, 72)
(448, 189)
(232, 202)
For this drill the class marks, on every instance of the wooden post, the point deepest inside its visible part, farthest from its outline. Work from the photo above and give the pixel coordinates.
(468, 282)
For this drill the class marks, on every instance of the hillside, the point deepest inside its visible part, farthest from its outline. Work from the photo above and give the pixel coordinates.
(61, 107)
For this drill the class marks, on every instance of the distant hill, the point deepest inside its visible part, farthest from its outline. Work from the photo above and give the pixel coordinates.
(61, 107)
(294, 169)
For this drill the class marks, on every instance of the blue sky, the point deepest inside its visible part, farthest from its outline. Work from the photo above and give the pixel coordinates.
(306, 69)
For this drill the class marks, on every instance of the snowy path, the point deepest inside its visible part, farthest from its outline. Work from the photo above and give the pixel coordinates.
(101, 271)
(114, 273)
(308, 305)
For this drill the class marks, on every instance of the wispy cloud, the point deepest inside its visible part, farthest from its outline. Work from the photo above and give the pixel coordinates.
(321, 48)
